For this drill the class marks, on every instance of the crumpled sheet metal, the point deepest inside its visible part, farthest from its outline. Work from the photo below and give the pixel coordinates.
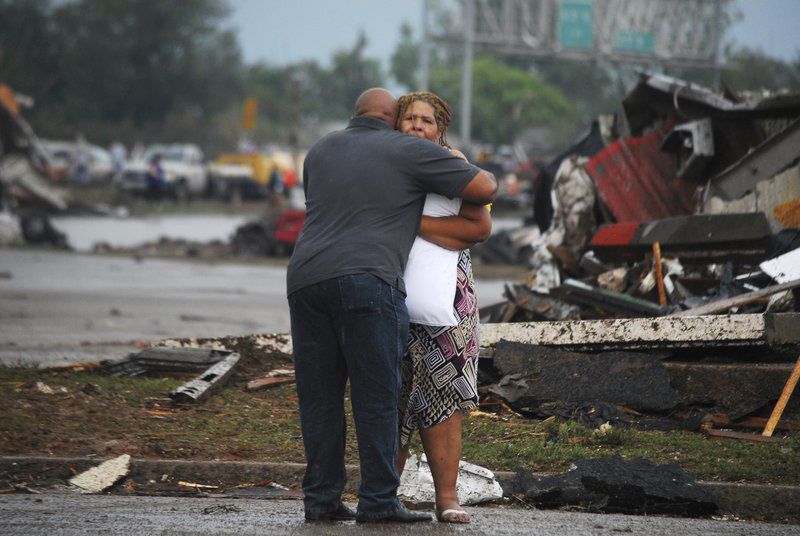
(638, 182)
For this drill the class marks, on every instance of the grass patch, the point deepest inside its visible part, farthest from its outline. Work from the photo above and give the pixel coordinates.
(106, 416)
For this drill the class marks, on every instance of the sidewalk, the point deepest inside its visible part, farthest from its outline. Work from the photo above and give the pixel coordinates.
(762, 502)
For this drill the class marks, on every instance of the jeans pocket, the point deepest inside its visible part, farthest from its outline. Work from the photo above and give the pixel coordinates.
(361, 293)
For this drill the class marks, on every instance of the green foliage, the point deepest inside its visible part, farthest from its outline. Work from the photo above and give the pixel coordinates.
(28, 48)
(405, 59)
(506, 100)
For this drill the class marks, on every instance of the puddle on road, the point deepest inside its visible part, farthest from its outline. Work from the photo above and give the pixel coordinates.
(83, 232)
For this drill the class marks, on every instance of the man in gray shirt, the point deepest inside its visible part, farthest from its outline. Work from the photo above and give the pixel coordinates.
(365, 188)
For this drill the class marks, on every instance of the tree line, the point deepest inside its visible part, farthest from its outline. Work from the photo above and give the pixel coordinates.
(146, 71)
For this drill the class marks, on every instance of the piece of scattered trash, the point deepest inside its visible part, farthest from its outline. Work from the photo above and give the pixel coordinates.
(475, 484)
(196, 486)
(221, 509)
(103, 476)
(47, 390)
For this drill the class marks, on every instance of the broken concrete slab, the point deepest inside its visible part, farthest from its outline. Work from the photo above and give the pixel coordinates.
(103, 476)
(617, 485)
(663, 333)
(536, 375)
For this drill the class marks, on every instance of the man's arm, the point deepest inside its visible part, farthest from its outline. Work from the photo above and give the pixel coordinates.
(481, 189)
(472, 225)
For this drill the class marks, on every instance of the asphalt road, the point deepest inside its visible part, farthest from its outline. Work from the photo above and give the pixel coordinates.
(68, 307)
(61, 307)
(60, 513)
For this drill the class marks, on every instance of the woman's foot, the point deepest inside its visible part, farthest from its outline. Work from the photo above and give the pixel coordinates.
(452, 515)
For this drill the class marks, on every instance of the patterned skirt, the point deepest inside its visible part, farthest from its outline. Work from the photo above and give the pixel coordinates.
(440, 366)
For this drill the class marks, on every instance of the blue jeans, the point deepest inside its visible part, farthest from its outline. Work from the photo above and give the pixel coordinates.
(352, 326)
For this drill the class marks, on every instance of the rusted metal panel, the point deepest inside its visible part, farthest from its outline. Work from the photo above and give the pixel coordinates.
(633, 333)
(637, 182)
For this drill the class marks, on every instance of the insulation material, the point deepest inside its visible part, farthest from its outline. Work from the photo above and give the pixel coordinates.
(475, 484)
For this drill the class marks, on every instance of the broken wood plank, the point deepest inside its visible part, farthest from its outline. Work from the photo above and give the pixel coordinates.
(723, 421)
(788, 389)
(268, 382)
(663, 332)
(721, 306)
(713, 433)
(200, 388)
(662, 295)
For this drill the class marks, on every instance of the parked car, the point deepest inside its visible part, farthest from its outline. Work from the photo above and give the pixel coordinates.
(236, 176)
(184, 173)
(62, 161)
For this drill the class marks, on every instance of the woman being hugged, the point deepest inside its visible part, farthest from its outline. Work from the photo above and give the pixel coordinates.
(441, 361)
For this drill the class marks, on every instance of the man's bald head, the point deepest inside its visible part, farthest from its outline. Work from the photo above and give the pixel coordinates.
(378, 103)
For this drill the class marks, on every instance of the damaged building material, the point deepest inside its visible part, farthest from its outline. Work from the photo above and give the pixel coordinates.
(692, 144)
(723, 305)
(273, 378)
(208, 383)
(755, 330)
(765, 161)
(103, 476)
(780, 406)
(163, 359)
(706, 237)
(537, 375)
(475, 484)
(614, 484)
(574, 291)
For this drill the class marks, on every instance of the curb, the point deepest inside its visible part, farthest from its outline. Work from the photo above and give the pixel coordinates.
(762, 502)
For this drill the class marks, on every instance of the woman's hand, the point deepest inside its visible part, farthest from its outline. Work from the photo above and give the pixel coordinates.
(472, 225)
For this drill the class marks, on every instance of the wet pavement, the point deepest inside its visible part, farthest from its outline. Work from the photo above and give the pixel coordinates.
(68, 513)
(68, 307)
(61, 307)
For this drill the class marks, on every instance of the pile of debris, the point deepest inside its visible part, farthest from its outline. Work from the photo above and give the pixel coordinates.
(674, 203)
(26, 195)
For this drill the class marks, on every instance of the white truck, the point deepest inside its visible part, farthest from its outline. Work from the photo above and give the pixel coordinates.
(185, 174)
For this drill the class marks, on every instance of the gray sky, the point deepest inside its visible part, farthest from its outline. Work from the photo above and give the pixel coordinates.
(284, 31)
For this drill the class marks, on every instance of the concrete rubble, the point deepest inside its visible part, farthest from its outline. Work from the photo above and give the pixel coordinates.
(103, 476)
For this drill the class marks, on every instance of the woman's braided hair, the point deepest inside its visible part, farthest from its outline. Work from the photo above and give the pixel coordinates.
(441, 111)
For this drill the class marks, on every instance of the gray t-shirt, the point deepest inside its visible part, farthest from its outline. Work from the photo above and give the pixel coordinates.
(365, 188)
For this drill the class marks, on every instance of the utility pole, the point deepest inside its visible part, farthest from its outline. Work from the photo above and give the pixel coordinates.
(717, 39)
(466, 74)
(424, 51)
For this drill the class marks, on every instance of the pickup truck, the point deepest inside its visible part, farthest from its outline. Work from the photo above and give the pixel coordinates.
(184, 172)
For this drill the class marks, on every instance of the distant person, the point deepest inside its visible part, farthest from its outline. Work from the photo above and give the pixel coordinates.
(80, 162)
(365, 187)
(275, 186)
(118, 155)
(156, 180)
